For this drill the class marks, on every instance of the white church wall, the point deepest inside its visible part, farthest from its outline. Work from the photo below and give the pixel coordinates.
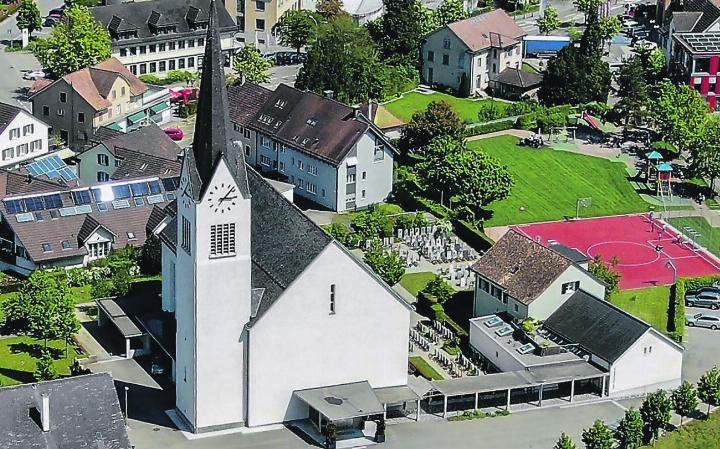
(300, 344)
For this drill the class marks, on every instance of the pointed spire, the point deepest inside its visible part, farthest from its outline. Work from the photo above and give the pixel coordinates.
(212, 141)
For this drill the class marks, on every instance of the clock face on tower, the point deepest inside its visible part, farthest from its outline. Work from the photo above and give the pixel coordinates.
(222, 198)
(187, 200)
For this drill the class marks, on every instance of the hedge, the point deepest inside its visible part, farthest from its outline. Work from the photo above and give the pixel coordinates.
(676, 311)
(491, 127)
(472, 235)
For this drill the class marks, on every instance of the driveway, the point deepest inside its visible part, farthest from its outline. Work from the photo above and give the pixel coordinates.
(701, 348)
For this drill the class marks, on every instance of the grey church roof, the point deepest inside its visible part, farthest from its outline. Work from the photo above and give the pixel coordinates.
(84, 413)
(212, 140)
(596, 325)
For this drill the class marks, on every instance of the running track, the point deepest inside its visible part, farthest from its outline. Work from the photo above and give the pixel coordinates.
(631, 240)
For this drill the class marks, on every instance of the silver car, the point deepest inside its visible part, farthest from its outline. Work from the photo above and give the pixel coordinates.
(704, 297)
(700, 320)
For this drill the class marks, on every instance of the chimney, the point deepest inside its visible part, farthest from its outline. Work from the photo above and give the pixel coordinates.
(45, 413)
(370, 116)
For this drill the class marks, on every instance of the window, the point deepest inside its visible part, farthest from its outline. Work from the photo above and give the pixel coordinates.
(517, 308)
(63, 97)
(46, 110)
(201, 42)
(461, 60)
(103, 159)
(186, 244)
(114, 94)
(446, 43)
(28, 129)
(379, 153)
(260, 5)
(132, 50)
(362, 194)
(282, 165)
(103, 177)
(171, 45)
(133, 69)
(61, 112)
(264, 160)
(131, 236)
(351, 178)
(364, 175)
(332, 299)
(142, 49)
(191, 43)
(312, 188)
(181, 44)
(446, 59)
(191, 62)
(300, 164)
(152, 48)
(100, 249)
(36, 145)
(312, 169)
(123, 51)
(301, 183)
(153, 67)
(222, 239)
(22, 150)
(247, 151)
(8, 153)
(570, 287)
(431, 56)
(181, 63)
(46, 247)
(161, 47)
(494, 68)
(163, 67)
(14, 133)
(171, 64)
(143, 69)
(65, 244)
(260, 24)
(81, 117)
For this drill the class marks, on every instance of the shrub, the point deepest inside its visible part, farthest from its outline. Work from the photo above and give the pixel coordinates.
(188, 109)
(607, 273)
(151, 79)
(340, 232)
(676, 311)
(527, 121)
(389, 266)
(441, 290)
(151, 256)
(486, 128)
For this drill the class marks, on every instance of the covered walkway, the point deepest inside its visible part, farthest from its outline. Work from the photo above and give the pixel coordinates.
(516, 387)
(137, 342)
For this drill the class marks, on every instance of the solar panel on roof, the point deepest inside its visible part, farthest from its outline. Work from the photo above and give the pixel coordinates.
(23, 218)
(81, 197)
(154, 199)
(120, 204)
(85, 209)
(67, 174)
(52, 166)
(68, 211)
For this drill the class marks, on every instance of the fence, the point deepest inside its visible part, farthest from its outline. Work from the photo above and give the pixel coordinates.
(702, 227)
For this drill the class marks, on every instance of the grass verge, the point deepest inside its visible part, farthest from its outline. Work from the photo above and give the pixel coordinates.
(648, 304)
(415, 282)
(699, 434)
(424, 368)
(19, 356)
(403, 108)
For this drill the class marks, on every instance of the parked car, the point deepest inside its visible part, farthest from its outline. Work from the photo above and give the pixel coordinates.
(175, 133)
(703, 298)
(57, 12)
(34, 75)
(51, 21)
(700, 320)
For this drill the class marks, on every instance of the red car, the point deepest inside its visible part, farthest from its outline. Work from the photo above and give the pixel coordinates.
(175, 133)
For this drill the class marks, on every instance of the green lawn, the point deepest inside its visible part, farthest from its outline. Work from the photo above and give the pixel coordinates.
(404, 107)
(649, 304)
(549, 182)
(18, 359)
(425, 369)
(384, 209)
(699, 434)
(709, 235)
(415, 282)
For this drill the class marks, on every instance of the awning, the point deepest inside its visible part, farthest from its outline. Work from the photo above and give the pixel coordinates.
(160, 107)
(114, 126)
(396, 395)
(119, 318)
(136, 117)
(344, 401)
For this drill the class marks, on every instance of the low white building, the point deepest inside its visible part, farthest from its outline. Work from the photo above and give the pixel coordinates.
(22, 136)
(479, 48)
(527, 279)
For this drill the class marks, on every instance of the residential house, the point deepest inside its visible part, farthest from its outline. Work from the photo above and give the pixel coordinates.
(257, 18)
(331, 152)
(524, 278)
(106, 94)
(516, 83)
(479, 48)
(158, 36)
(50, 218)
(364, 11)
(73, 412)
(250, 283)
(22, 136)
(690, 38)
(144, 152)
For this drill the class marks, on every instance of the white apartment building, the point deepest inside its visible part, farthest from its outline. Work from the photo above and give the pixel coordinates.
(22, 136)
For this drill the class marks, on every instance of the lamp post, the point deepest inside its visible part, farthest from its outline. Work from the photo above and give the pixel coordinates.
(126, 404)
(670, 264)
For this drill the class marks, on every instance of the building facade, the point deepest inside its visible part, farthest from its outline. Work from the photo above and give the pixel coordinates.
(22, 136)
(106, 94)
(332, 153)
(159, 36)
(478, 48)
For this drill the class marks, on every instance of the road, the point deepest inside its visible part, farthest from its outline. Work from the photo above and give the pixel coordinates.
(567, 13)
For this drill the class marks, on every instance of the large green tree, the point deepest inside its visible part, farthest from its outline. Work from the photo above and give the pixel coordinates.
(678, 113)
(587, 7)
(401, 31)
(549, 21)
(565, 442)
(77, 42)
(329, 9)
(344, 60)
(599, 436)
(389, 266)
(297, 28)
(708, 388)
(251, 65)
(704, 150)
(438, 119)
(609, 27)
(685, 400)
(630, 430)
(450, 11)
(656, 412)
(606, 272)
(28, 16)
(633, 92)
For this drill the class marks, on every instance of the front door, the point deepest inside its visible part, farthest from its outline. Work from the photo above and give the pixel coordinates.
(430, 75)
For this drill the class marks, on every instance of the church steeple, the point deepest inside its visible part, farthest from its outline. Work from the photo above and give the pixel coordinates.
(211, 141)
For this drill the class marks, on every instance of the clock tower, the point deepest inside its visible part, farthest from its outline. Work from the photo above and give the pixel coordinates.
(213, 266)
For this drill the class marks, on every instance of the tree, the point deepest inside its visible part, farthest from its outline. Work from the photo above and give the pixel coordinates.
(549, 21)
(45, 368)
(609, 27)
(656, 412)
(389, 266)
(565, 442)
(471, 178)
(329, 9)
(708, 388)
(630, 430)
(77, 42)
(251, 65)
(151, 256)
(685, 400)
(704, 149)
(633, 90)
(296, 28)
(28, 16)
(439, 119)
(345, 61)
(450, 11)
(401, 31)
(607, 273)
(599, 436)
(678, 112)
(587, 7)
(440, 289)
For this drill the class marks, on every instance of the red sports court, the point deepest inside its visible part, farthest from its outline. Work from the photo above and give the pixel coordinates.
(642, 247)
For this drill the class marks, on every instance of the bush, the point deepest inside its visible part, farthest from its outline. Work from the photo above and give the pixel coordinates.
(471, 235)
(527, 121)
(389, 266)
(151, 256)
(439, 289)
(187, 110)
(676, 310)
(486, 128)
(152, 79)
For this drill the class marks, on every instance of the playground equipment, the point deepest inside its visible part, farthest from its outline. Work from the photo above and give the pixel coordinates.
(664, 179)
(534, 141)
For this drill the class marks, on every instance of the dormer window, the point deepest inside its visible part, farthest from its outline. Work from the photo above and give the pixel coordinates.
(280, 104)
(266, 119)
(311, 122)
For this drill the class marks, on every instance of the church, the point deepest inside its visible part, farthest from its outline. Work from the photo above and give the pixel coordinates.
(271, 313)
